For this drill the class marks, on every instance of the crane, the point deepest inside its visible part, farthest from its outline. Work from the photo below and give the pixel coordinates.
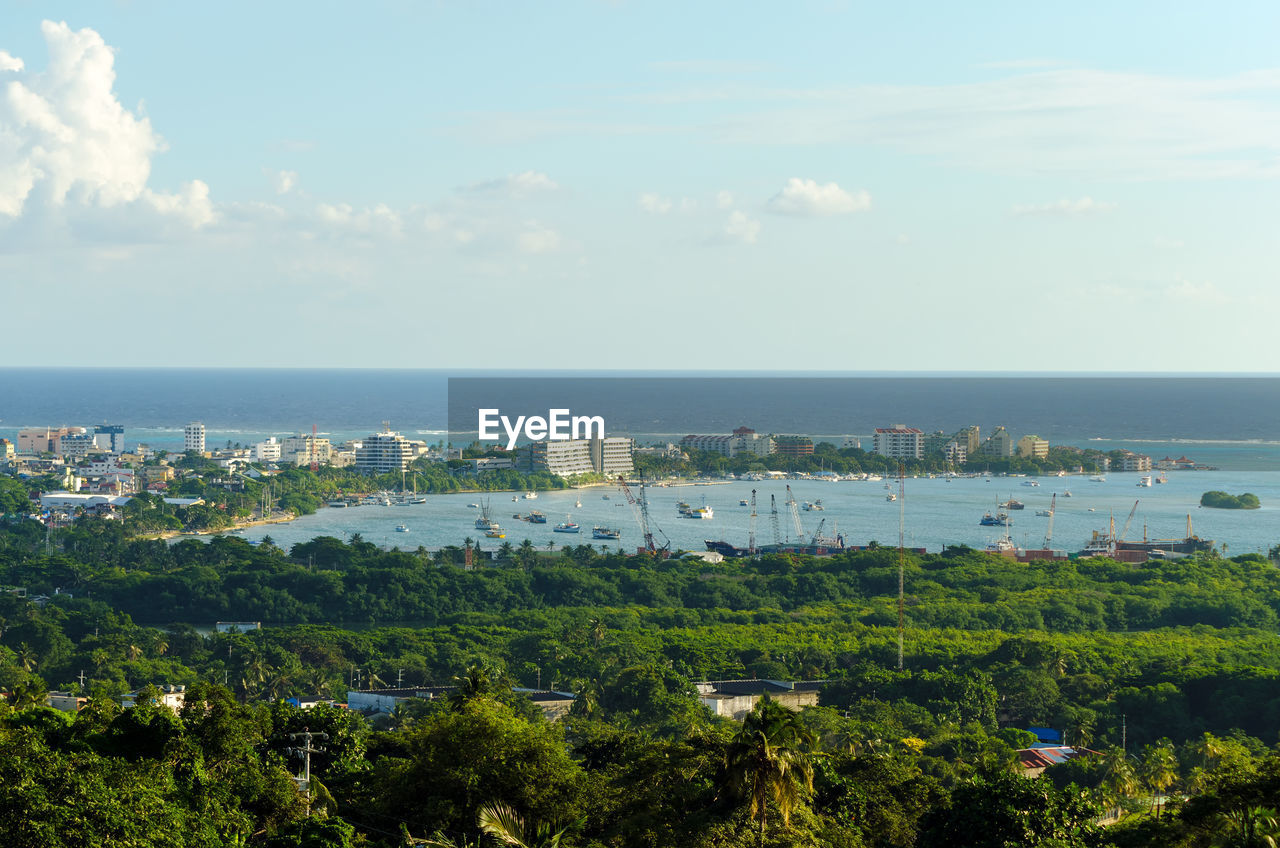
(773, 515)
(641, 509)
(795, 516)
(1127, 522)
(817, 534)
(751, 532)
(1048, 533)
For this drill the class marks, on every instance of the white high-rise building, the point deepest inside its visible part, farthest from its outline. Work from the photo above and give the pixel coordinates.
(385, 451)
(193, 437)
(899, 442)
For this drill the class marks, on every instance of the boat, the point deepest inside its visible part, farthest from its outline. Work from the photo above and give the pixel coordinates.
(891, 497)
(400, 528)
(1067, 493)
(529, 496)
(578, 503)
(1000, 519)
(1032, 483)
(1004, 546)
(703, 511)
(418, 499)
(743, 502)
(536, 517)
(1012, 504)
(495, 532)
(683, 508)
(1144, 482)
(485, 521)
(1044, 513)
(566, 527)
(605, 533)
(473, 506)
(339, 504)
(1163, 478)
(816, 506)
(604, 497)
(1097, 478)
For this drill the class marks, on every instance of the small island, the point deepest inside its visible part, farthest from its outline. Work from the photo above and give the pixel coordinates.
(1222, 500)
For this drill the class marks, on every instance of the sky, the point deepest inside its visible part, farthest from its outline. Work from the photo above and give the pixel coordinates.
(990, 186)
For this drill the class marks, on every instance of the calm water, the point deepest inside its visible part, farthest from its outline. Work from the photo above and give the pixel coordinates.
(937, 512)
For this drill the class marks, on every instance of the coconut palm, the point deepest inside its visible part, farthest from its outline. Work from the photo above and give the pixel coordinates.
(475, 682)
(1119, 780)
(765, 762)
(508, 828)
(1159, 770)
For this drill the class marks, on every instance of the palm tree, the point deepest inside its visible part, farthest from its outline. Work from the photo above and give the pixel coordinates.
(1119, 780)
(764, 762)
(501, 822)
(597, 630)
(1159, 770)
(474, 683)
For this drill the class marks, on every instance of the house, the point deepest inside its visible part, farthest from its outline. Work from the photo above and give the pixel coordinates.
(169, 696)
(735, 698)
(1034, 760)
(554, 704)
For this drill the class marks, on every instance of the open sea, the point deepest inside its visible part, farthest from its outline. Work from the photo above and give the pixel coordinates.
(1228, 421)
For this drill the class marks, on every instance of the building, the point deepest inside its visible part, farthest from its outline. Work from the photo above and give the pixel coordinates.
(899, 442)
(610, 456)
(554, 704)
(1033, 447)
(1130, 461)
(955, 452)
(76, 445)
(268, 451)
(743, 440)
(36, 440)
(998, 444)
(68, 702)
(970, 437)
(793, 446)
(851, 443)
(172, 697)
(735, 698)
(193, 437)
(383, 452)
(303, 448)
(7, 451)
(109, 437)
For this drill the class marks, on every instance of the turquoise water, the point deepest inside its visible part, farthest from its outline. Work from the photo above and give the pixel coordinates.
(937, 512)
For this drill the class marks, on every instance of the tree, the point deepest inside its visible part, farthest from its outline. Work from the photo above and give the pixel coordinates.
(1002, 809)
(506, 826)
(1159, 770)
(765, 762)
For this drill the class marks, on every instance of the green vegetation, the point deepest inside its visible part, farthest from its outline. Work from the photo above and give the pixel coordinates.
(1222, 500)
(827, 457)
(1177, 658)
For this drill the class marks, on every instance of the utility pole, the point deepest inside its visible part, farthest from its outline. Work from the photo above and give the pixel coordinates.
(304, 780)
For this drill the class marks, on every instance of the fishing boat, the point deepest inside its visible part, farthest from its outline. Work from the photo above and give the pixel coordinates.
(485, 521)
(1000, 519)
(400, 528)
(536, 517)
(566, 527)
(495, 532)
(1012, 504)
(605, 533)
(703, 511)
(1144, 482)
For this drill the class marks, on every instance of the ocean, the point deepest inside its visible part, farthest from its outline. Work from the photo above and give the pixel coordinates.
(1232, 422)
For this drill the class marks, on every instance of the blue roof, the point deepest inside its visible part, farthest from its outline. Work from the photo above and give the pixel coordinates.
(1046, 734)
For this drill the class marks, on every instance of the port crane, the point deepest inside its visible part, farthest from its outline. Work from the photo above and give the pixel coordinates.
(795, 516)
(1048, 533)
(773, 516)
(640, 507)
(1127, 522)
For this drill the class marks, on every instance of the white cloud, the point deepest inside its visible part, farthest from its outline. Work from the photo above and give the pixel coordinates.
(724, 199)
(67, 144)
(377, 220)
(538, 238)
(807, 198)
(1204, 293)
(1083, 206)
(283, 181)
(742, 229)
(655, 204)
(515, 185)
